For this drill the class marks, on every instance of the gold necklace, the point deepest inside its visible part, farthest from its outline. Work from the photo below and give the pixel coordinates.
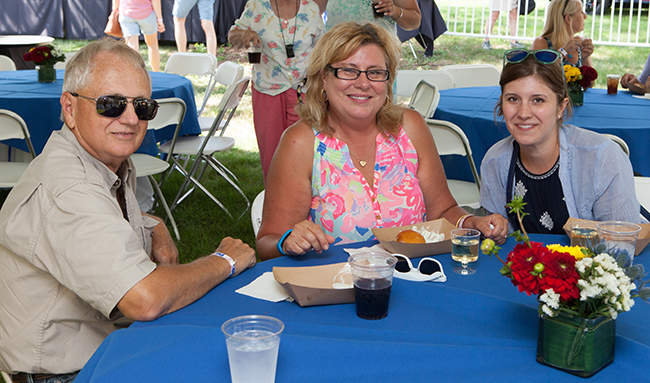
(362, 162)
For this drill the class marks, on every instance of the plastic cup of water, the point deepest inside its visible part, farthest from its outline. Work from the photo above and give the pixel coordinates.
(253, 342)
(618, 235)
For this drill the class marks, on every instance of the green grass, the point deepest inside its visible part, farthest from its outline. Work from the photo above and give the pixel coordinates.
(203, 224)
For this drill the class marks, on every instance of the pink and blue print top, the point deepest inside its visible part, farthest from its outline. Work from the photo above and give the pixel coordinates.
(344, 204)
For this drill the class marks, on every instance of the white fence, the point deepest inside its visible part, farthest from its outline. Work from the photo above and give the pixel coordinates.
(606, 25)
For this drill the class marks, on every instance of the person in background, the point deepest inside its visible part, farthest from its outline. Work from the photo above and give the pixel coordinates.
(495, 10)
(355, 160)
(145, 16)
(643, 79)
(286, 31)
(564, 19)
(79, 260)
(559, 170)
(404, 13)
(206, 10)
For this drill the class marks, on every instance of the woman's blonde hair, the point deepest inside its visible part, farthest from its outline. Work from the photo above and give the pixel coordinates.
(554, 28)
(336, 45)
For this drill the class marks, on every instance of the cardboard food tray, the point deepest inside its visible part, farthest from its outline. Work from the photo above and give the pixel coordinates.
(313, 285)
(641, 243)
(387, 237)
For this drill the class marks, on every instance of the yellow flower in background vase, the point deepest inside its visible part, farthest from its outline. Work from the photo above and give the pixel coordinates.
(575, 251)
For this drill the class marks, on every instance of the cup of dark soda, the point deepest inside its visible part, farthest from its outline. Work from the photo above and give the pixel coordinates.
(254, 54)
(372, 275)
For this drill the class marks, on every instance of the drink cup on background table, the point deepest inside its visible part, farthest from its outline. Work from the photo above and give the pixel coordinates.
(253, 342)
(464, 249)
(372, 274)
(619, 235)
(584, 234)
(612, 83)
(254, 54)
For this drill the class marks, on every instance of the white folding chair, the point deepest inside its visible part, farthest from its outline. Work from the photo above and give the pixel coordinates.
(227, 74)
(425, 98)
(170, 112)
(204, 147)
(12, 126)
(200, 64)
(256, 212)
(6, 63)
(407, 80)
(63, 64)
(619, 141)
(474, 75)
(642, 188)
(450, 139)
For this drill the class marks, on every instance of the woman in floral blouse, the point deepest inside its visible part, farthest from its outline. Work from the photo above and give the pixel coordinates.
(286, 30)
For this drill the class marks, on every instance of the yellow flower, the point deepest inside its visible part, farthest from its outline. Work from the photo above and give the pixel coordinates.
(572, 74)
(573, 250)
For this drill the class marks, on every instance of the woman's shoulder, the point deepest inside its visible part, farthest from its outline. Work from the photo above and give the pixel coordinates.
(540, 42)
(299, 133)
(502, 147)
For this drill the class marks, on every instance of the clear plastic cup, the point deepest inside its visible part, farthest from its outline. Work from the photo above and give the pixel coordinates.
(253, 343)
(584, 234)
(619, 236)
(372, 275)
(612, 83)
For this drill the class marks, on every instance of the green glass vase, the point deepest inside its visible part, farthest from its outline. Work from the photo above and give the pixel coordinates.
(46, 73)
(576, 345)
(576, 95)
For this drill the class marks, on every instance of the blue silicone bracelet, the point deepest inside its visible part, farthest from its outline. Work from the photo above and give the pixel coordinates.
(281, 241)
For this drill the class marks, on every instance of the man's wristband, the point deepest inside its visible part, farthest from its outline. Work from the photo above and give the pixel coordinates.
(227, 258)
(281, 241)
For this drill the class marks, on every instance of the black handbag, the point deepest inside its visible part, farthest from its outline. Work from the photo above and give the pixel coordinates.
(523, 10)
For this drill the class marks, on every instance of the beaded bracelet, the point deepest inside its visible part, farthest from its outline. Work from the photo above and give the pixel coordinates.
(227, 258)
(281, 241)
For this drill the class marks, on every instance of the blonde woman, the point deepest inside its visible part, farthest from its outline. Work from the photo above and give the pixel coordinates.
(565, 18)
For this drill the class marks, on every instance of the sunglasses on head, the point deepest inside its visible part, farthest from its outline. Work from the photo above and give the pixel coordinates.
(114, 106)
(428, 269)
(544, 56)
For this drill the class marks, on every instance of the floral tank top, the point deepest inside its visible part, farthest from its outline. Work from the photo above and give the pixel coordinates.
(343, 203)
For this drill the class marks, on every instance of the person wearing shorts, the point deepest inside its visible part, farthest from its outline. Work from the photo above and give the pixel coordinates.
(496, 6)
(206, 9)
(145, 16)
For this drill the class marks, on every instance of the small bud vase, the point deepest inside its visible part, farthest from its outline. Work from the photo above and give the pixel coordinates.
(576, 95)
(46, 73)
(576, 345)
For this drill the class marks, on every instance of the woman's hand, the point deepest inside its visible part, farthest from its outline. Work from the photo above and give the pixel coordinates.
(587, 48)
(306, 236)
(628, 79)
(241, 39)
(493, 226)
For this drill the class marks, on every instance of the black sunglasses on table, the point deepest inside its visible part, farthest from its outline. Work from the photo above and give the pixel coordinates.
(114, 106)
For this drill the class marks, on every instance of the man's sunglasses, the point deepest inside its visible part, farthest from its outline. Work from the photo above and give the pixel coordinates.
(428, 269)
(114, 106)
(544, 56)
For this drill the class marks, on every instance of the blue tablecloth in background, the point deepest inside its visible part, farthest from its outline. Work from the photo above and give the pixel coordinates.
(39, 105)
(476, 328)
(472, 109)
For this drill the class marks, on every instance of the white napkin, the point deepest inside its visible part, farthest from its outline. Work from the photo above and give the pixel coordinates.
(376, 248)
(265, 287)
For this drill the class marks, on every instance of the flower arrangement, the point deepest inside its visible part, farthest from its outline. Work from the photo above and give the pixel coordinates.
(587, 283)
(582, 76)
(44, 55)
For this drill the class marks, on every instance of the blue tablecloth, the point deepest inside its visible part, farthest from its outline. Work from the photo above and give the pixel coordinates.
(39, 105)
(475, 328)
(472, 109)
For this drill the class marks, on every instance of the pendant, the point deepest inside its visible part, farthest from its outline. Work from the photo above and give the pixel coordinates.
(289, 49)
(362, 163)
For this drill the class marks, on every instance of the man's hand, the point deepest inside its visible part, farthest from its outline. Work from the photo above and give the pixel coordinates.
(163, 248)
(241, 253)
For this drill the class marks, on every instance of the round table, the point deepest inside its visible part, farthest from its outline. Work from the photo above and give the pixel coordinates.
(472, 109)
(14, 46)
(39, 105)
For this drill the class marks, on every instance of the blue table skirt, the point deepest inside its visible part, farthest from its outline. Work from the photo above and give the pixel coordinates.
(39, 105)
(476, 328)
(472, 109)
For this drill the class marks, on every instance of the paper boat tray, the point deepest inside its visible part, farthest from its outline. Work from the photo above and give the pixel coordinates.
(313, 286)
(415, 250)
(641, 243)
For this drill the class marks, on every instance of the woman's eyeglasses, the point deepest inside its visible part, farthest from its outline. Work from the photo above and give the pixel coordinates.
(377, 75)
(544, 56)
(114, 106)
(428, 269)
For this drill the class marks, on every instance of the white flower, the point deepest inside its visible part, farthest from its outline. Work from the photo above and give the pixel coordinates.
(551, 298)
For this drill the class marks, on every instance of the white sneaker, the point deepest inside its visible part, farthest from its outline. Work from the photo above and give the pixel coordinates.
(486, 45)
(517, 45)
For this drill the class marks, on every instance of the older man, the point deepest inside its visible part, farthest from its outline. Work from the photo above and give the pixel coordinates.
(76, 254)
